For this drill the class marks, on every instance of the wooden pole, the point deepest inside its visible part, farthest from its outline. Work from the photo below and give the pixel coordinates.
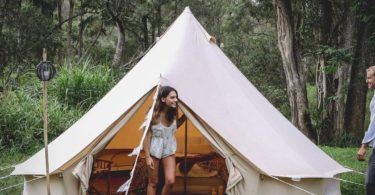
(185, 156)
(45, 125)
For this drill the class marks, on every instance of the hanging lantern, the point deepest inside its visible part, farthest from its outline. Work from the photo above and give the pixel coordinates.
(45, 70)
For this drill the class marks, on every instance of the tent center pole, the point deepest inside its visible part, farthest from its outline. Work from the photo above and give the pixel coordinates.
(185, 156)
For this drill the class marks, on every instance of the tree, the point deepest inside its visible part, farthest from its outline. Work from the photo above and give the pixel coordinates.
(335, 40)
(294, 71)
(356, 97)
(69, 44)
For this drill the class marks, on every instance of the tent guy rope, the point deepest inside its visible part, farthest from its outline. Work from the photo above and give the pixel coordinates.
(8, 167)
(15, 185)
(4, 177)
(347, 181)
(291, 185)
(355, 171)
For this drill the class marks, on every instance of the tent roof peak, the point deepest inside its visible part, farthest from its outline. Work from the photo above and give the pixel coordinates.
(187, 10)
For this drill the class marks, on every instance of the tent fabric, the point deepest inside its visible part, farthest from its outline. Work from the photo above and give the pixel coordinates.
(83, 170)
(244, 178)
(235, 118)
(136, 152)
(234, 175)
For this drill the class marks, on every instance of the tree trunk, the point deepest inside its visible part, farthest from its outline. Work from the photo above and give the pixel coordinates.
(294, 71)
(69, 45)
(356, 99)
(343, 75)
(117, 58)
(100, 31)
(324, 79)
(145, 32)
(80, 35)
(158, 18)
(336, 31)
(59, 12)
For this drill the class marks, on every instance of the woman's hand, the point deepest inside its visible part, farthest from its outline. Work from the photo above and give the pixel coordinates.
(150, 162)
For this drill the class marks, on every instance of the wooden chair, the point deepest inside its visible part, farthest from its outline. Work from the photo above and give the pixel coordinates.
(101, 169)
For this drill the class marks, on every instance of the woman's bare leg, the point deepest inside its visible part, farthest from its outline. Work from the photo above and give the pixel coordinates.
(153, 176)
(169, 165)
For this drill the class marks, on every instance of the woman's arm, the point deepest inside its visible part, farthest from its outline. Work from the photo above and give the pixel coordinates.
(146, 149)
(181, 120)
(146, 144)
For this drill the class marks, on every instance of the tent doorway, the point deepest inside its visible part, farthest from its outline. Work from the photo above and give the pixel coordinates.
(199, 169)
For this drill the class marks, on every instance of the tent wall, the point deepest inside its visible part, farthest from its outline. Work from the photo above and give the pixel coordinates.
(255, 183)
(70, 182)
(252, 182)
(39, 186)
(268, 186)
(61, 184)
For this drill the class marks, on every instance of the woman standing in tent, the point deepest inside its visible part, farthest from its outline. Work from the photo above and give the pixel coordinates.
(160, 143)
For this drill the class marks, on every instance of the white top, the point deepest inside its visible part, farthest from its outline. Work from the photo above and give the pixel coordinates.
(163, 142)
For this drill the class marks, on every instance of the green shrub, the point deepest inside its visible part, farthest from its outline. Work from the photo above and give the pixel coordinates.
(70, 94)
(346, 140)
(21, 124)
(83, 85)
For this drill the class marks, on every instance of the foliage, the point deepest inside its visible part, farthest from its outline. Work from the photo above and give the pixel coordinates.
(315, 113)
(70, 94)
(83, 85)
(21, 124)
(346, 140)
(336, 56)
(24, 31)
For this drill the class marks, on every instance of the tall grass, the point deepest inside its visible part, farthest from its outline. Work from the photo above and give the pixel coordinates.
(21, 123)
(83, 85)
(7, 160)
(71, 93)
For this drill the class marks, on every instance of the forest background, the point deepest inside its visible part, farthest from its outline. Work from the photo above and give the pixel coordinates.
(307, 57)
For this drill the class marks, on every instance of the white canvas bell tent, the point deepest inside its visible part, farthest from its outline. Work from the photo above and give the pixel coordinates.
(263, 151)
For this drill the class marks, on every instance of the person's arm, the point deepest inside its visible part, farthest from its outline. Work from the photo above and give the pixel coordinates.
(370, 133)
(146, 149)
(362, 152)
(369, 136)
(181, 120)
(367, 139)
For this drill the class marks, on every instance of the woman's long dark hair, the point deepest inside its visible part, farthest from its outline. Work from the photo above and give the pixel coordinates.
(171, 113)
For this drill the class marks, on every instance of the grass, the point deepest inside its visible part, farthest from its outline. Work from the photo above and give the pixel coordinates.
(7, 160)
(345, 156)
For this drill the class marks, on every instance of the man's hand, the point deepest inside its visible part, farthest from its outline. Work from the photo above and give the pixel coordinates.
(362, 152)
